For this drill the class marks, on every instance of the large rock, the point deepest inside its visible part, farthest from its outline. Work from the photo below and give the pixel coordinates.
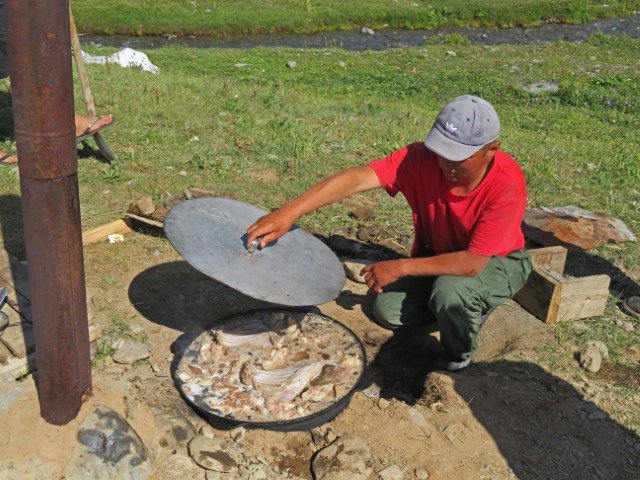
(348, 458)
(109, 449)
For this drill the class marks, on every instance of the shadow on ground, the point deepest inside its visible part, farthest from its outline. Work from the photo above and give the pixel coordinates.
(543, 426)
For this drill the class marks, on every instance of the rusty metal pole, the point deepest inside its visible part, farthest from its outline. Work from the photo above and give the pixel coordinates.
(42, 92)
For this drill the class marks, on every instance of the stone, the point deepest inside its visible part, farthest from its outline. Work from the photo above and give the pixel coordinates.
(142, 207)
(353, 267)
(212, 454)
(367, 31)
(628, 327)
(362, 213)
(392, 472)
(416, 418)
(348, 458)
(173, 432)
(291, 64)
(108, 448)
(130, 351)
(421, 474)
(591, 359)
(238, 434)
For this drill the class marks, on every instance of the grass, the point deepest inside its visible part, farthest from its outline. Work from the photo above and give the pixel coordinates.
(265, 133)
(232, 17)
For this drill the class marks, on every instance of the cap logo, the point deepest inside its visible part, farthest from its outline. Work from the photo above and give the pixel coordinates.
(450, 127)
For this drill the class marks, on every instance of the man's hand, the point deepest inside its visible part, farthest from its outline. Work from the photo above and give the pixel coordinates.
(378, 275)
(270, 227)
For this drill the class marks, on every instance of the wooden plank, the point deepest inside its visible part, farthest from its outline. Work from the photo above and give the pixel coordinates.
(102, 232)
(583, 297)
(585, 305)
(551, 258)
(15, 367)
(541, 295)
(580, 285)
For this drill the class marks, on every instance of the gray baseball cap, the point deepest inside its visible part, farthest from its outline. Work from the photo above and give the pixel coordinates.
(463, 127)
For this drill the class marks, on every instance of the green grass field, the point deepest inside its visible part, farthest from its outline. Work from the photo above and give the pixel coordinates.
(226, 17)
(242, 122)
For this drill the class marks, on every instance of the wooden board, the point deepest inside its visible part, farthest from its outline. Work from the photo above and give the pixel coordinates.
(551, 297)
(102, 232)
(583, 297)
(550, 258)
(541, 295)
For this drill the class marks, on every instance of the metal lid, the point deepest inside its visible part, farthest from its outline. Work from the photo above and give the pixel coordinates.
(296, 269)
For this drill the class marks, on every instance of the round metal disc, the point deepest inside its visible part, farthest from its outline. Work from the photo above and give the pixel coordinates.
(297, 269)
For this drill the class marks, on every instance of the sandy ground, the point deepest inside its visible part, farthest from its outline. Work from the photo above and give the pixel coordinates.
(504, 417)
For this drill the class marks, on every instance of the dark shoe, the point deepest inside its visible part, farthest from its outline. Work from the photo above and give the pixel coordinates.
(631, 305)
(446, 363)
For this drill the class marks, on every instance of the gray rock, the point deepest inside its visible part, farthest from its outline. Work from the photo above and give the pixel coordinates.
(291, 64)
(348, 458)
(173, 433)
(108, 449)
(130, 351)
(212, 454)
(352, 268)
(238, 434)
(392, 472)
(590, 359)
(628, 327)
(416, 418)
(367, 31)
(421, 474)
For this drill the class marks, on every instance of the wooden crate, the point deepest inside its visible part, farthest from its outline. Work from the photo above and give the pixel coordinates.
(551, 297)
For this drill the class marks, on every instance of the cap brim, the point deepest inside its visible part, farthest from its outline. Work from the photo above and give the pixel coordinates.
(447, 148)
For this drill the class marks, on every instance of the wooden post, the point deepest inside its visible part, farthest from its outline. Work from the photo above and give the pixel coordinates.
(38, 35)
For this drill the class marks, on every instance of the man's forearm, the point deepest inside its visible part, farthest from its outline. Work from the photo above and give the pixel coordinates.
(464, 264)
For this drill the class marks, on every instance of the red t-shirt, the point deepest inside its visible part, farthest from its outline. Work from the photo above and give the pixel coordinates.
(485, 221)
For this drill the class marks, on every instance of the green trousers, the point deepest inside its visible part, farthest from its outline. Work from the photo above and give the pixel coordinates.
(456, 303)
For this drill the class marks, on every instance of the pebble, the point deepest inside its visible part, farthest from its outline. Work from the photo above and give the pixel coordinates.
(353, 267)
(383, 403)
(421, 474)
(601, 347)
(130, 351)
(367, 31)
(174, 431)
(628, 327)
(291, 64)
(238, 434)
(392, 472)
(348, 458)
(416, 417)
(590, 359)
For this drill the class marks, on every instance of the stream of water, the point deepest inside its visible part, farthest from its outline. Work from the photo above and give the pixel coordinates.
(383, 39)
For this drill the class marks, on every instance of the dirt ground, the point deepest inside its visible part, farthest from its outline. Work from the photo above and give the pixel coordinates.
(504, 417)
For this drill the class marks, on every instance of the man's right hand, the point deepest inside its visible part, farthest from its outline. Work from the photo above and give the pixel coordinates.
(270, 227)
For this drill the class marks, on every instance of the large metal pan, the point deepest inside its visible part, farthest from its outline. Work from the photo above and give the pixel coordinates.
(198, 403)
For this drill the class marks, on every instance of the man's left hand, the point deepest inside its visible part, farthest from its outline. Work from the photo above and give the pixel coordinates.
(377, 275)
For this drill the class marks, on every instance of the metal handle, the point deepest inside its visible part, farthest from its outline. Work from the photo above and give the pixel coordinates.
(252, 247)
(3, 295)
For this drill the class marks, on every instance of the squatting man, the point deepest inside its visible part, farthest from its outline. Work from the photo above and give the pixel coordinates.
(467, 198)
